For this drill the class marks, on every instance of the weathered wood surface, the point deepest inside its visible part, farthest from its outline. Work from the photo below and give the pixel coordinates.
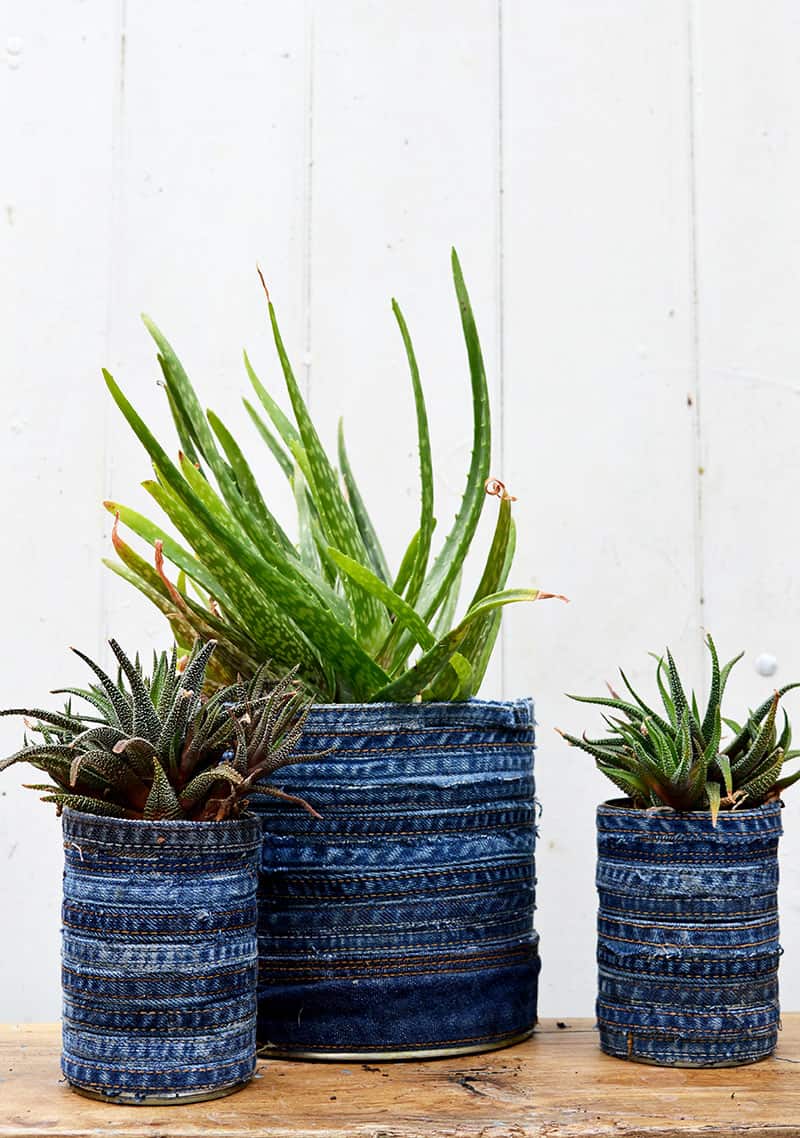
(557, 1084)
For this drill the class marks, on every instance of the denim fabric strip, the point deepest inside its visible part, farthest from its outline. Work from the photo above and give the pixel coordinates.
(688, 935)
(403, 919)
(159, 956)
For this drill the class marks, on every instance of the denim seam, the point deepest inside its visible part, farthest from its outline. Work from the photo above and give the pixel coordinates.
(690, 925)
(656, 944)
(222, 973)
(627, 914)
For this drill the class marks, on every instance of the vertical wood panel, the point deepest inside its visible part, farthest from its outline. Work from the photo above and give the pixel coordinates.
(57, 68)
(404, 155)
(210, 182)
(598, 366)
(748, 157)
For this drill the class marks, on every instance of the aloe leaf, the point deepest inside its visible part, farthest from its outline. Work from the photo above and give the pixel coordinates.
(445, 617)
(182, 392)
(360, 513)
(280, 455)
(406, 565)
(173, 551)
(424, 671)
(493, 578)
(247, 484)
(335, 515)
(369, 581)
(264, 596)
(260, 611)
(426, 520)
(456, 544)
(283, 425)
(184, 432)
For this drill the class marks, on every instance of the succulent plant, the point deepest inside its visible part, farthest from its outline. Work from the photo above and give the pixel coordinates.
(675, 757)
(155, 747)
(328, 602)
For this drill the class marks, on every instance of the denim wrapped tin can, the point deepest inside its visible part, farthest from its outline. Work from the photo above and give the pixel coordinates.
(159, 957)
(688, 935)
(401, 924)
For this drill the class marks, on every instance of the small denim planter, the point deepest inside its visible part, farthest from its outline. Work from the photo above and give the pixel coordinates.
(401, 924)
(688, 935)
(159, 957)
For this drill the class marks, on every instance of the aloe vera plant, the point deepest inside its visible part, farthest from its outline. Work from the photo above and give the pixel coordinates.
(327, 602)
(153, 746)
(676, 756)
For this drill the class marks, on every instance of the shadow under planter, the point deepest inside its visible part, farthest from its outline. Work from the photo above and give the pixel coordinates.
(159, 957)
(401, 924)
(688, 935)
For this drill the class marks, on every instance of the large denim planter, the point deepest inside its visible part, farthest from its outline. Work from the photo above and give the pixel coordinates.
(402, 923)
(688, 935)
(159, 957)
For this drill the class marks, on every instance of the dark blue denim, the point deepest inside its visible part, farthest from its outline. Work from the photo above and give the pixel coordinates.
(403, 920)
(687, 942)
(159, 956)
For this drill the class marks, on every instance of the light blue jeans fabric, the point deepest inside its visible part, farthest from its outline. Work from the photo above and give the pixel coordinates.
(159, 955)
(403, 920)
(688, 935)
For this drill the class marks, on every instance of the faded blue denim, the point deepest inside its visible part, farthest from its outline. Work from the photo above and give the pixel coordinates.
(688, 935)
(403, 920)
(159, 956)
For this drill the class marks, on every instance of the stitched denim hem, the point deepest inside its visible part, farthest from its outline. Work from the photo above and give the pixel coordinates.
(159, 983)
(404, 918)
(688, 931)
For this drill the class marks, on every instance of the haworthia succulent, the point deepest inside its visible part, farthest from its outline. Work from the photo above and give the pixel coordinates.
(679, 762)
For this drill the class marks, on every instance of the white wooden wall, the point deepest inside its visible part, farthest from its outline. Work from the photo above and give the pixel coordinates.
(620, 179)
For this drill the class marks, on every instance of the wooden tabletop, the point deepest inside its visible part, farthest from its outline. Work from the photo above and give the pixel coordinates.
(557, 1084)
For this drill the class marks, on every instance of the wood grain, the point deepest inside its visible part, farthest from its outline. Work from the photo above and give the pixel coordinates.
(557, 1084)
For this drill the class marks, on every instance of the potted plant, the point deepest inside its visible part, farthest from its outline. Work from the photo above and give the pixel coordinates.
(159, 944)
(402, 923)
(687, 874)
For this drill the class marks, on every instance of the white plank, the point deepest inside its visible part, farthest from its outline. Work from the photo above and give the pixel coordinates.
(748, 154)
(57, 75)
(598, 364)
(210, 183)
(404, 153)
